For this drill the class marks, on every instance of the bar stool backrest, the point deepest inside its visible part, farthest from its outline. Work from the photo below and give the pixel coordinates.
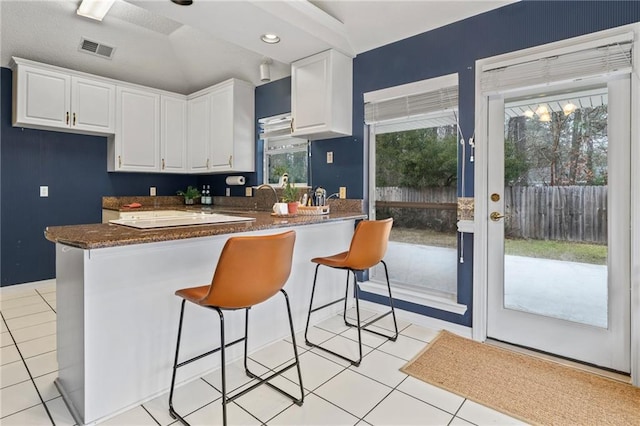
(368, 244)
(251, 270)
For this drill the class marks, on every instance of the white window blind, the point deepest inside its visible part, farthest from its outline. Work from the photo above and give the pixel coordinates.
(412, 105)
(607, 59)
(278, 125)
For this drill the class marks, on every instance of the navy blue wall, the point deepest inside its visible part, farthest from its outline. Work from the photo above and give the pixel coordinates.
(75, 169)
(454, 49)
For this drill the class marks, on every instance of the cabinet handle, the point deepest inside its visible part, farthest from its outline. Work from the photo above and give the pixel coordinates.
(163, 164)
(207, 163)
(292, 124)
(119, 161)
(74, 118)
(230, 160)
(67, 117)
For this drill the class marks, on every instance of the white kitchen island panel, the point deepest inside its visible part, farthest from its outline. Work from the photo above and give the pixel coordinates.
(118, 315)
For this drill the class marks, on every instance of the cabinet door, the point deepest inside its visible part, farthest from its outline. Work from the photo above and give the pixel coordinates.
(199, 134)
(173, 134)
(137, 130)
(310, 79)
(92, 105)
(222, 137)
(43, 98)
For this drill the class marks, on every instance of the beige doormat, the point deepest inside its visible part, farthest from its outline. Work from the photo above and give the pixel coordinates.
(527, 388)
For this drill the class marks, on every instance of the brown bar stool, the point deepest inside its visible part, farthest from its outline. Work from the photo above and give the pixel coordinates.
(368, 246)
(236, 286)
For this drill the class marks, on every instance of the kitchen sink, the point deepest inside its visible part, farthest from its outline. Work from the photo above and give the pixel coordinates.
(168, 218)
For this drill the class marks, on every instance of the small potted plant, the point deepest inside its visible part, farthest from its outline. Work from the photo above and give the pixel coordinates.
(190, 194)
(290, 196)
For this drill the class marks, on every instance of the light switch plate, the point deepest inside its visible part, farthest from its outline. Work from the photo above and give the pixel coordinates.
(152, 191)
(227, 192)
(44, 191)
(248, 192)
(329, 157)
(343, 192)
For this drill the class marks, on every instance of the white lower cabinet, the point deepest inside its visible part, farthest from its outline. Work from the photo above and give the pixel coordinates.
(136, 145)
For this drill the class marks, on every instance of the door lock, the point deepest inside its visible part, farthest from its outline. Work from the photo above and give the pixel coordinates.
(495, 216)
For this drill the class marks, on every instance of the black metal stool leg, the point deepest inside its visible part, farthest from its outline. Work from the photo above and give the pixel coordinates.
(295, 347)
(313, 291)
(223, 368)
(172, 412)
(393, 311)
(357, 297)
(346, 296)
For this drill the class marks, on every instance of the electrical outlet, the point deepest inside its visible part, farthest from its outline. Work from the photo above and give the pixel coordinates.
(227, 192)
(343, 192)
(44, 191)
(152, 191)
(329, 157)
(248, 192)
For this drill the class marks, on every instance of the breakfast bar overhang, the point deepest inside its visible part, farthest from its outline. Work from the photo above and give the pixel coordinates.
(117, 312)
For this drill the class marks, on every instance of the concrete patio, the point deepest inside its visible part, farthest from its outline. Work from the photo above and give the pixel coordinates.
(566, 290)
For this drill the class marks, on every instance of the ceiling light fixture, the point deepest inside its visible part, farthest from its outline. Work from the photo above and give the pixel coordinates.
(528, 113)
(542, 109)
(270, 38)
(545, 117)
(265, 70)
(94, 9)
(183, 2)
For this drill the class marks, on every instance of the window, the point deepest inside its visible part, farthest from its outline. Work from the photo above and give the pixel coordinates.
(283, 153)
(413, 178)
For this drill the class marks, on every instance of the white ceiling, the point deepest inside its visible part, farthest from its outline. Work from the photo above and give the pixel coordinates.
(184, 49)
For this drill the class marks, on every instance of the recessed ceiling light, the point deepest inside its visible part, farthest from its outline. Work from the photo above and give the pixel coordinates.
(270, 38)
(183, 2)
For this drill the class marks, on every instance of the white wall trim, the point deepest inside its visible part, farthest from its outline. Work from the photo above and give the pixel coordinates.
(480, 284)
(421, 320)
(420, 298)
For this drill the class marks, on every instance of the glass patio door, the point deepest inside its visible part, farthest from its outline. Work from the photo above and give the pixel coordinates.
(559, 217)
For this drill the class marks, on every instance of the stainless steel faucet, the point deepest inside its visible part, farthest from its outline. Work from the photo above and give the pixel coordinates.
(264, 185)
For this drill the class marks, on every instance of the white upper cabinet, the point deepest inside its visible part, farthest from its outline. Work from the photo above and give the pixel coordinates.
(92, 105)
(222, 128)
(321, 96)
(46, 97)
(199, 140)
(173, 133)
(137, 139)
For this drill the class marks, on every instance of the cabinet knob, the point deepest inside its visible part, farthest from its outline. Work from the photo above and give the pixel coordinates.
(163, 164)
(292, 124)
(207, 163)
(74, 118)
(67, 117)
(119, 161)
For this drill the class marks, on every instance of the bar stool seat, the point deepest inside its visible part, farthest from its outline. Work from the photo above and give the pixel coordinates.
(236, 286)
(368, 247)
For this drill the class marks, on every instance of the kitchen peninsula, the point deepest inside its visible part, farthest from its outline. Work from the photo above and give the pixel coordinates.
(117, 313)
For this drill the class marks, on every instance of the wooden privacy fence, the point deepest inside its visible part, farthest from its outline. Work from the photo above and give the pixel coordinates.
(427, 208)
(566, 213)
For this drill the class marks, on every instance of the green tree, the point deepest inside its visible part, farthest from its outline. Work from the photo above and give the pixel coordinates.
(417, 158)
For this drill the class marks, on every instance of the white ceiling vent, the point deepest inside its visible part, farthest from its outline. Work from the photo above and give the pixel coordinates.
(95, 48)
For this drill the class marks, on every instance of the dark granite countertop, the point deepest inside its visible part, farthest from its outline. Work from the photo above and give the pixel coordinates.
(102, 235)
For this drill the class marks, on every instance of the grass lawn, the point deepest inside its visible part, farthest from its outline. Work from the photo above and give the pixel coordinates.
(559, 250)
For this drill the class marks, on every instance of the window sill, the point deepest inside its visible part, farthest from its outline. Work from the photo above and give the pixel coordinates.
(420, 298)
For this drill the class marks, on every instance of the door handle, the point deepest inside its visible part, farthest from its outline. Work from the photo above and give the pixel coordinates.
(495, 216)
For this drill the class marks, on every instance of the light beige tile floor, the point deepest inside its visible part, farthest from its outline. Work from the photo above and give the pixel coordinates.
(336, 393)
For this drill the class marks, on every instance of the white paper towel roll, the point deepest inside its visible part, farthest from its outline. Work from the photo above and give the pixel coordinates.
(235, 180)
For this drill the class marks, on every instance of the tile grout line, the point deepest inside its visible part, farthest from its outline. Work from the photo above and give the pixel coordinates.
(30, 376)
(46, 301)
(150, 415)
